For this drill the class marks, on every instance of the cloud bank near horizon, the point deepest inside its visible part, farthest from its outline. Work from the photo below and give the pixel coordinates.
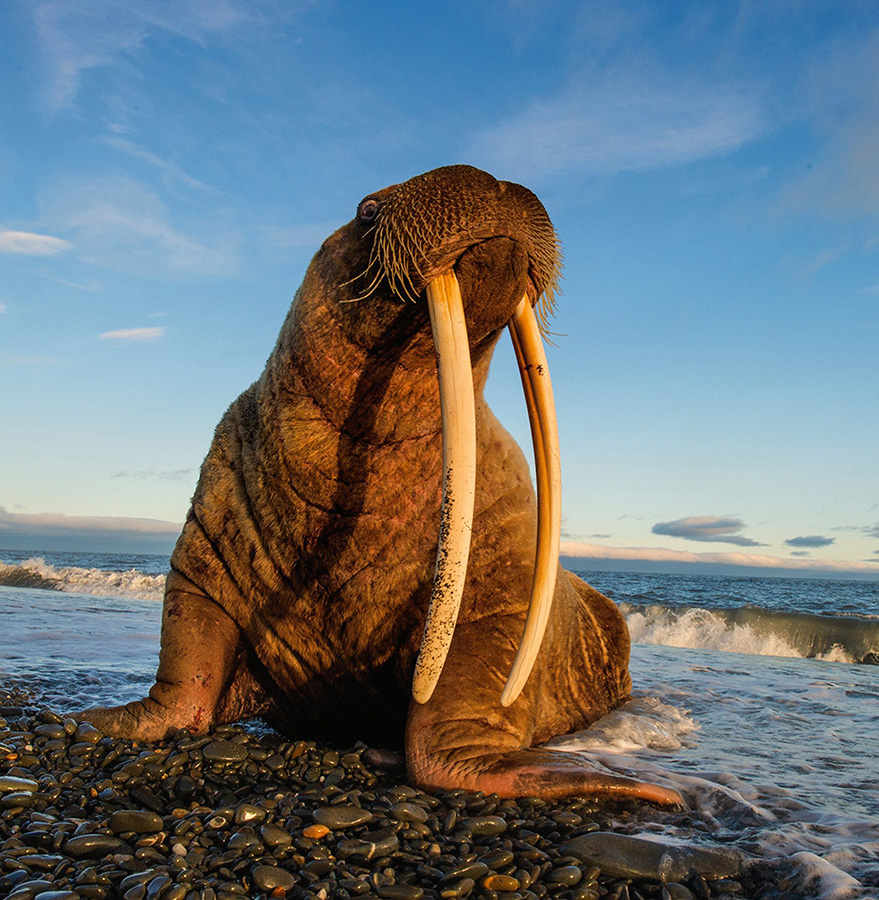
(57, 531)
(724, 558)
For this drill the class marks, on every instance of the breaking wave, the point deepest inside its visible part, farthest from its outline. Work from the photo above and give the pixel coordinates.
(37, 573)
(748, 629)
(755, 630)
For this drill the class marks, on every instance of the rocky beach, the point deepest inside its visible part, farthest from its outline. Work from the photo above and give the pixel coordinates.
(239, 813)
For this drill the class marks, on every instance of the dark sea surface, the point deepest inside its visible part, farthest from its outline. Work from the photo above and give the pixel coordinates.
(756, 697)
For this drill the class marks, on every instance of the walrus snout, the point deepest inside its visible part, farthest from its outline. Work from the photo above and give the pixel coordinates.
(420, 227)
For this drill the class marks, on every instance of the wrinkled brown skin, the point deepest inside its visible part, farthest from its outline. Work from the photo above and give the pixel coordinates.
(299, 586)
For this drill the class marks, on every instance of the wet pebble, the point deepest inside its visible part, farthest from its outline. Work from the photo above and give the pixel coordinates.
(275, 836)
(92, 845)
(270, 878)
(376, 844)
(400, 892)
(566, 875)
(135, 820)
(224, 751)
(473, 871)
(496, 882)
(14, 784)
(337, 817)
(458, 889)
(409, 812)
(623, 856)
(484, 825)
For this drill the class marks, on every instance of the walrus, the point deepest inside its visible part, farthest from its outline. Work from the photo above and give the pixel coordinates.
(308, 586)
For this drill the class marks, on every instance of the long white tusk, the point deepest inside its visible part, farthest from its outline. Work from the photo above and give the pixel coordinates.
(459, 479)
(533, 367)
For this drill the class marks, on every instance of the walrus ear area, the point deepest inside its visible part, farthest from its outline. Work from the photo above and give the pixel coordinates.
(493, 276)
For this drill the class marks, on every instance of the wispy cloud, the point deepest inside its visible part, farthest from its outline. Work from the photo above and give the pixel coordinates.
(707, 528)
(869, 530)
(26, 361)
(620, 121)
(136, 335)
(843, 180)
(172, 171)
(87, 286)
(750, 560)
(810, 540)
(119, 223)
(166, 475)
(30, 244)
(78, 35)
(2, 308)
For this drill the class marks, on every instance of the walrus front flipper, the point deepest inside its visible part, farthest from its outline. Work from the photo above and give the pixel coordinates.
(204, 677)
(535, 772)
(463, 738)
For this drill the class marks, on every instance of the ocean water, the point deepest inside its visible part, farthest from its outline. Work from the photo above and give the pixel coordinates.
(757, 698)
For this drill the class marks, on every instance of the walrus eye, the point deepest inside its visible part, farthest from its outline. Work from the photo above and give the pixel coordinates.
(368, 210)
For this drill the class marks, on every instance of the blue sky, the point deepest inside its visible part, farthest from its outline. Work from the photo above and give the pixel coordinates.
(169, 168)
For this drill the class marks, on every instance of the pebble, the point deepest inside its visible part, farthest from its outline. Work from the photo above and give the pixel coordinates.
(275, 836)
(135, 820)
(458, 889)
(13, 784)
(336, 817)
(473, 871)
(269, 878)
(224, 751)
(401, 892)
(92, 845)
(409, 812)
(567, 875)
(500, 883)
(247, 814)
(622, 856)
(377, 844)
(485, 825)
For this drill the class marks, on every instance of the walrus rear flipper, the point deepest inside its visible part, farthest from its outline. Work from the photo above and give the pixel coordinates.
(206, 674)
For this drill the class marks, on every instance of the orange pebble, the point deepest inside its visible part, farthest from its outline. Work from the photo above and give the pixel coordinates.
(500, 883)
(315, 831)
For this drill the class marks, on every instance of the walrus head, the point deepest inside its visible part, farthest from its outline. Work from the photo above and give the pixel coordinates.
(420, 231)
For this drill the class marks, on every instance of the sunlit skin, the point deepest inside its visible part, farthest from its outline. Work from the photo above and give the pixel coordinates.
(299, 587)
